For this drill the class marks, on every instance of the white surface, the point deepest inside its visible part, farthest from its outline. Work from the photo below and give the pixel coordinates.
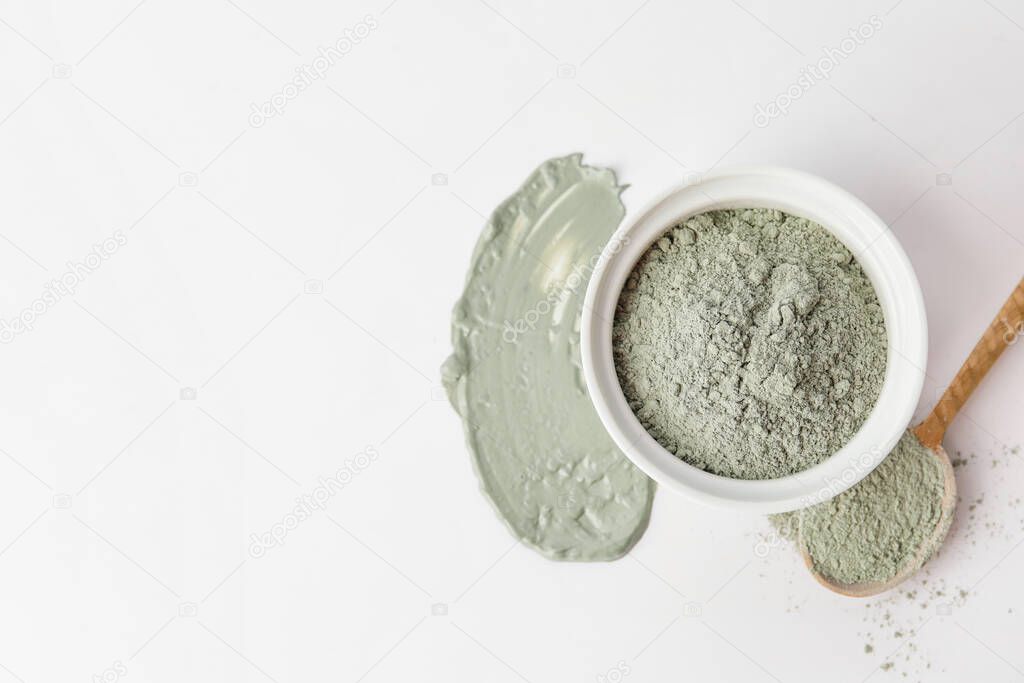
(899, 294)
(123, 504)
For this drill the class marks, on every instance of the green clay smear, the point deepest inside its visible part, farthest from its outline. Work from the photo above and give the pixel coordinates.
(543, 457)
(750, 343)
(888, 524)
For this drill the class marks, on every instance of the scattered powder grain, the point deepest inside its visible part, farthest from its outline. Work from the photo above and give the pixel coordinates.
(750, 343)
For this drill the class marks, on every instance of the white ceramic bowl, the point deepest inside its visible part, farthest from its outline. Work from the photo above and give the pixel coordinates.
(885, 263)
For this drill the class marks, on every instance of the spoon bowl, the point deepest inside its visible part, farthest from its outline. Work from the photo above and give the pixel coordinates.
(1000, 334)
(930, 544)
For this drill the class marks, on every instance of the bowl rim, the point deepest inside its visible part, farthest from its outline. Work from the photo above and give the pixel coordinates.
(883, 260)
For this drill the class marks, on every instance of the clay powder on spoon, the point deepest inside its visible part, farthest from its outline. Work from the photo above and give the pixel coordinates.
(882, 526)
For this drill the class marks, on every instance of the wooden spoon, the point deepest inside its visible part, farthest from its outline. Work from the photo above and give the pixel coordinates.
(1005, 329)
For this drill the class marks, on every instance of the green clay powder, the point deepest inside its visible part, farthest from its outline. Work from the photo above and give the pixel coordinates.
(750, 343)
(889, 523)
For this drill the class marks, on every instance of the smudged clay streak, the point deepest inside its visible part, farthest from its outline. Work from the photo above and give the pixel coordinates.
(543, 458)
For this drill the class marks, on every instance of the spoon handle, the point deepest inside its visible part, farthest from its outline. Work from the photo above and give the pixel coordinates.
(1006, 329)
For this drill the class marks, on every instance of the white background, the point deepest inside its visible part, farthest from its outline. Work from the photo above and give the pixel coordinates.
(127, 511)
